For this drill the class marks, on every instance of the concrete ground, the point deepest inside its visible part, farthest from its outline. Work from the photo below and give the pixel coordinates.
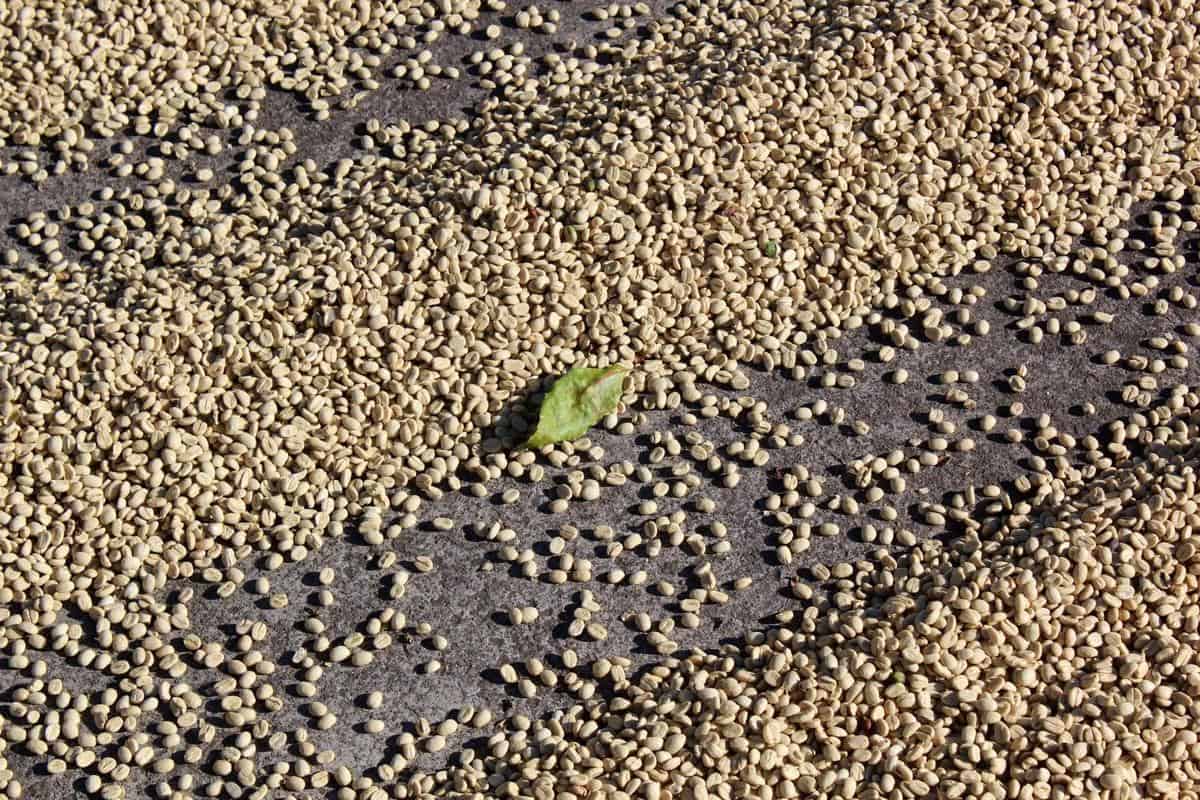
(461, 597)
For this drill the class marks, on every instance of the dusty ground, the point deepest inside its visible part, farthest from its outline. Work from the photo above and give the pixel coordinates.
(460, 598)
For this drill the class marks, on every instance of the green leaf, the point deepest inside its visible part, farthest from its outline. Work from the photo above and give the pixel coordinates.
(576, 402)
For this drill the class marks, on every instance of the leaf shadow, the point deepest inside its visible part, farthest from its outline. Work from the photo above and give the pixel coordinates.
(516, 419)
